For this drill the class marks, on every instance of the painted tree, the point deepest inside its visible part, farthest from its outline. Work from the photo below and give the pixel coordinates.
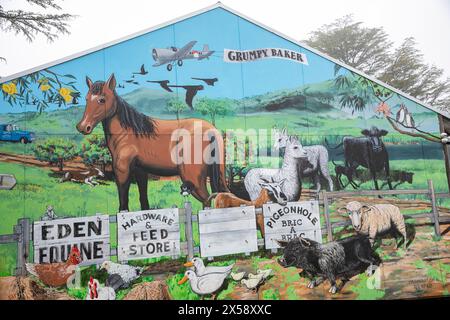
(213, 108)
(55, 151)
(369, 50)
(32, 23)
(176, 106)
(95, 152)
(356, 93)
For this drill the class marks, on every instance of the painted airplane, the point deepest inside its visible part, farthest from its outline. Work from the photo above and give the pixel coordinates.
(173, 55)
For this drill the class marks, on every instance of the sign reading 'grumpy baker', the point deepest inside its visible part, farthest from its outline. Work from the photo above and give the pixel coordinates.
(291, 221)
(239, 56)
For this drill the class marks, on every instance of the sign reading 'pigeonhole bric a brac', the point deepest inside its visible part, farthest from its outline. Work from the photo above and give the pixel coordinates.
(53, 239)
(148, 234)
(295, 219)
(227, 231)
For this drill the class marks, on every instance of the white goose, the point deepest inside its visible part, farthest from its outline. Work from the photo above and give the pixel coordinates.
(203, 285)
(201, 270)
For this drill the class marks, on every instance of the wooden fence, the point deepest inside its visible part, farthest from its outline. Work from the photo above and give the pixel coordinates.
(23, 233)
(433, 215)
(22, 236)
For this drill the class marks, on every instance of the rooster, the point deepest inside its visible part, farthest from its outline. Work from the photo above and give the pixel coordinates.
(96, 292)
(56, 274)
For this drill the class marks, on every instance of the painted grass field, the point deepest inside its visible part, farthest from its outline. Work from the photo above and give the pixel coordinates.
(37, 188)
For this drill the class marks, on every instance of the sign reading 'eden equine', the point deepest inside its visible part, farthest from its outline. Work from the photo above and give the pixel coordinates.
(291, 221)
(239, 56)
(148, 234)
(54, 239)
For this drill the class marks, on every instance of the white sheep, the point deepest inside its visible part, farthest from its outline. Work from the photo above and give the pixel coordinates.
(374, 220)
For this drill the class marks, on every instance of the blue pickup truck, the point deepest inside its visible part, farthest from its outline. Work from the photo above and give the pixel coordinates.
(11, 132)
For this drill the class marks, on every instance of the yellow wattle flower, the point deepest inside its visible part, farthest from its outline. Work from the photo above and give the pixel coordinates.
(67, 98)
(9, 88)
(65, 93)
(44, 87)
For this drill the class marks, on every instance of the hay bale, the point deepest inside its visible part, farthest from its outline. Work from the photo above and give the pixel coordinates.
(24, 288)
(155, 290)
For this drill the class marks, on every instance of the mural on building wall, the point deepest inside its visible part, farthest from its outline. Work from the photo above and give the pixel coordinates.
(247, 119)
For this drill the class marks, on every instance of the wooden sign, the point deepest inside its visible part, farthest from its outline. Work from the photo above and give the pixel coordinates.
(291, 221)
(53, 239)
(148, 234)
(7, 181)
(227, 231)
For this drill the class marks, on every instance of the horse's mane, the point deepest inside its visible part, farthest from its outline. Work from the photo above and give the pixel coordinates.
(129, 117)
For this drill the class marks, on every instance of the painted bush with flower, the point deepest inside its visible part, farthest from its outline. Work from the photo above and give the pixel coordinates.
(41, 89)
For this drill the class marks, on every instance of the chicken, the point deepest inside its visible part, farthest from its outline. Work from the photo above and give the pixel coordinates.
(56, 274)
(127, 273)
(97, 292)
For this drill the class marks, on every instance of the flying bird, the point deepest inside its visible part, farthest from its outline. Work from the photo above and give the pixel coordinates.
(162, 83)
(191, 91)
(209, 82)
(142, 71)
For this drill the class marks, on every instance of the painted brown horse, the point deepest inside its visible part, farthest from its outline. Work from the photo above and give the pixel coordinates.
(140, 145)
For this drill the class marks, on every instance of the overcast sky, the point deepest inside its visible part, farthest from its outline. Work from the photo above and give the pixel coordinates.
(102, 21)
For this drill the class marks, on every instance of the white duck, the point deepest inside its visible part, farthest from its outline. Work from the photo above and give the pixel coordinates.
(97, 292)
(206, 284)
(254, 282)
(264, 273)
(201, 270)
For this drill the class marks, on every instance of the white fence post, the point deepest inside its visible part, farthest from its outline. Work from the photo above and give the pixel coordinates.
(434, 209)
(188, 230)
(23, 230)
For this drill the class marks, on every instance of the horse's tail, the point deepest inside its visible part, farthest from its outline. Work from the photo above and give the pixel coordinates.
(335, 147)
(216, 169)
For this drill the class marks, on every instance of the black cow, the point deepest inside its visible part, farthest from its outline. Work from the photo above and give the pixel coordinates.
(368, 151)
(341, 259)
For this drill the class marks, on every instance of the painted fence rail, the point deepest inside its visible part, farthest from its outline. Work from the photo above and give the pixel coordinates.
(227, 231)
(213, 228)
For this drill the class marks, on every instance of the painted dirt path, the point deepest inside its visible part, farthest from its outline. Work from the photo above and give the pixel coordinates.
(402, 275)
